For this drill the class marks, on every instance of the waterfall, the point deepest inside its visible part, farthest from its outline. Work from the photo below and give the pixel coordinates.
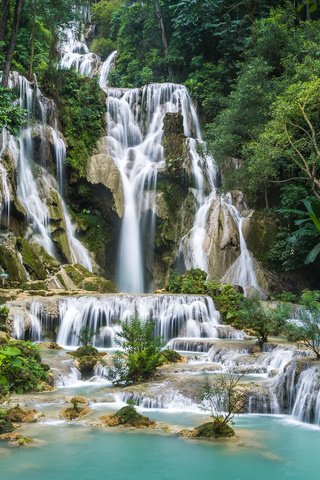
(174, 316)
(134, 141)
(75, 54)
(106, 69)
(242, 272)
(31, 177)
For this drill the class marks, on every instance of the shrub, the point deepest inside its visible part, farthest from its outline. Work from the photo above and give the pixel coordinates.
(141, 353)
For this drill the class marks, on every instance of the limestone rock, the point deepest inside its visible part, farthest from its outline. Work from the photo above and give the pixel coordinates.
(102, 169)
(23, 415)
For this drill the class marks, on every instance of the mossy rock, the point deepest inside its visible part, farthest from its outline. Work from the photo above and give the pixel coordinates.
(5, 423)
(215, 429)
(10, 263)
(16, 439)
(23, 415)
(127, 416)
(85, 351)
(86, 364)
(98, 284)
(171, 356)
(260, 231)
(31, 260)
(75, 413)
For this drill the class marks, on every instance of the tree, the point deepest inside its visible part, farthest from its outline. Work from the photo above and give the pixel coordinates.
(260, 319)
(224, 399)
(307, 328)
(12, 42)
(141, 353)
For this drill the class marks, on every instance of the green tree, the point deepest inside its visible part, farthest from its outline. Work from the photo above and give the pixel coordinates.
(307, 328)
(141, 353)
(261, 320)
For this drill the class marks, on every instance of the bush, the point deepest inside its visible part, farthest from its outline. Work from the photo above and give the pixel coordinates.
(141, 355)
(226, 297)
(21, 369)
(102, 47)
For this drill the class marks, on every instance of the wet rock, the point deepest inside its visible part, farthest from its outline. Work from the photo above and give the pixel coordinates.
(75, 412)
(129, 417)
(23, 415)
(210, 430)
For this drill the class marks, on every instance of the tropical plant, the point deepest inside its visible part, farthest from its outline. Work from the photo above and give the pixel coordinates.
(141, 353)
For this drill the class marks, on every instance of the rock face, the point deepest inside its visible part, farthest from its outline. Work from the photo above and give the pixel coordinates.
(222, 240)
(102, 169)
(260, 231)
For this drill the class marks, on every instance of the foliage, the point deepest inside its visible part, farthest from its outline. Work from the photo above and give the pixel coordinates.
(21, 369)
(262, 320)
(81, 103)
(86, 335)
(223, 398)
(226, 298)
(11, 115)
(141, 353)
(307, 328)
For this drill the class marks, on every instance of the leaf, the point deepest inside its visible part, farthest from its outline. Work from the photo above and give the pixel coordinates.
(12, 352)
(313, 254)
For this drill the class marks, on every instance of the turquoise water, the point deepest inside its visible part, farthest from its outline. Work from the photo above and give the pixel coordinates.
(272, 450)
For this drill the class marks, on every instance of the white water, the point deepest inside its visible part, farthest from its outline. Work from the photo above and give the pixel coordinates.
(242, 272)
(31, 176)
(106, 69)
(174, 315)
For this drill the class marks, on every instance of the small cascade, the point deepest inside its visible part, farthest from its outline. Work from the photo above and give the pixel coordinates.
(298, 390)
(170, 400)
(4, 186)
(75, 54)
(106, 69)
(66, 379)
(242, 272)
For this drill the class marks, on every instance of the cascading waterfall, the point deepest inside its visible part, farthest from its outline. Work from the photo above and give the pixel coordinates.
(174, 315)
(135, 130)
(39, 113)
(134, 141)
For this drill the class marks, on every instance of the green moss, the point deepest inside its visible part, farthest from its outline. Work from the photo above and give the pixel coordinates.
(5, 423)
(216, 429)
(170, 356)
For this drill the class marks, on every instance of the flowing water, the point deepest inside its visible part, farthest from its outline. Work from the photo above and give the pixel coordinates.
(32, 179)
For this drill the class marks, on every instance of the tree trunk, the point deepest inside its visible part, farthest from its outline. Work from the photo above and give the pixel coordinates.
(12, 43)
(33, 34)
(5, 5)
(163, 34)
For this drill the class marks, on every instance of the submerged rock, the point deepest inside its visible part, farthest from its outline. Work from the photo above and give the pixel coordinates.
(16, 439)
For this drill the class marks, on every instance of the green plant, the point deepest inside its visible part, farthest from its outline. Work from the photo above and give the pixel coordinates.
(21, 369)
(262, 320)
(141, 353)
(307, 328)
